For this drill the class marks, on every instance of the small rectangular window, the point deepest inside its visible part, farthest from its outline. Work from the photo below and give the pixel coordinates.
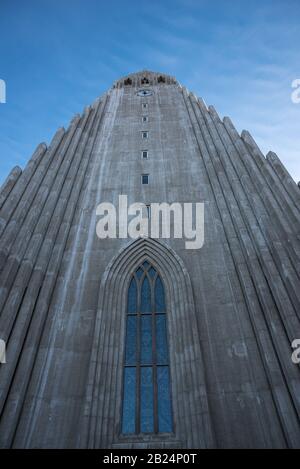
(145, 105)
(145, 154)
(145, 178)
(144, 135)
(144, 119)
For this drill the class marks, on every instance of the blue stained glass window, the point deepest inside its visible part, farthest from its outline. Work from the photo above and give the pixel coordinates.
(139, 273)
(128, 421)
(161, 339)
(164, 399)
(146, 340)
(147, 394)
(131, 340)
(132, 297)
(159, 296)
(147, 418)
(146, 297)
(152, 272)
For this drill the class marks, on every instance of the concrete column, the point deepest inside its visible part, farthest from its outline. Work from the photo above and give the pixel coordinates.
(18, 190)
(276, 184)
(290, 425)
(14, 212)
(28, 240)
(280, 237)
(285, 177)
(9, 183)
(46, 268)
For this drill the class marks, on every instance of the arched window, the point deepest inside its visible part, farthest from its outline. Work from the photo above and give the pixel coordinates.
(146, 385)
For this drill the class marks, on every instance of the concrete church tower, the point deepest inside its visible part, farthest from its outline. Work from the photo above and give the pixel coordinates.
(219, 371)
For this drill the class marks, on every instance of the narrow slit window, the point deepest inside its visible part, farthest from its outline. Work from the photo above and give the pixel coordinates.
(145, 178)
(145, 154)
(145, 119)
(145, 134)
(145, 105)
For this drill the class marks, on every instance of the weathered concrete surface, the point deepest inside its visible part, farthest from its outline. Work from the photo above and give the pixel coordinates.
(233, 306)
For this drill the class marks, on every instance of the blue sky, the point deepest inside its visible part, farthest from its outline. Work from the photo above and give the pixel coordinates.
(241, 56)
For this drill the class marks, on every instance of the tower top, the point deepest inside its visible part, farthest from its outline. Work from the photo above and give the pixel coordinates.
(145, 78)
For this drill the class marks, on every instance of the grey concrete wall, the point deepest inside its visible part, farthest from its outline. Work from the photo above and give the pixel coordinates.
(244, 281)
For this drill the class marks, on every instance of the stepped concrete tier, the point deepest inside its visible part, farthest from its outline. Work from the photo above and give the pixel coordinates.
(233, 306)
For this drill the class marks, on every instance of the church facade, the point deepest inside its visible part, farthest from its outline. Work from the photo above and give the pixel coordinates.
(142, 343)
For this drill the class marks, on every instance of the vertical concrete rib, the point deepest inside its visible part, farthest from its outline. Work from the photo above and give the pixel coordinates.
(226, 203)
(280, 237)
(278, 187)
(285, 223)
(45, 273)
(213, 177)
(34, 170)
(263, 214)
(41, 224)
(21, 199)
(36, 214)
(285, 177)
(286, 305)
(289, 232)
(9, 183)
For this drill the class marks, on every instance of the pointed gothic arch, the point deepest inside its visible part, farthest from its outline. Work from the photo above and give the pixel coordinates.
(103, 406)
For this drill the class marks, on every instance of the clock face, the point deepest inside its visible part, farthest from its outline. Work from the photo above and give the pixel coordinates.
(145, 93)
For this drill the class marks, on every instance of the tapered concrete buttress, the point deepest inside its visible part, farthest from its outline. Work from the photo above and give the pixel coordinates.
(9, 183)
